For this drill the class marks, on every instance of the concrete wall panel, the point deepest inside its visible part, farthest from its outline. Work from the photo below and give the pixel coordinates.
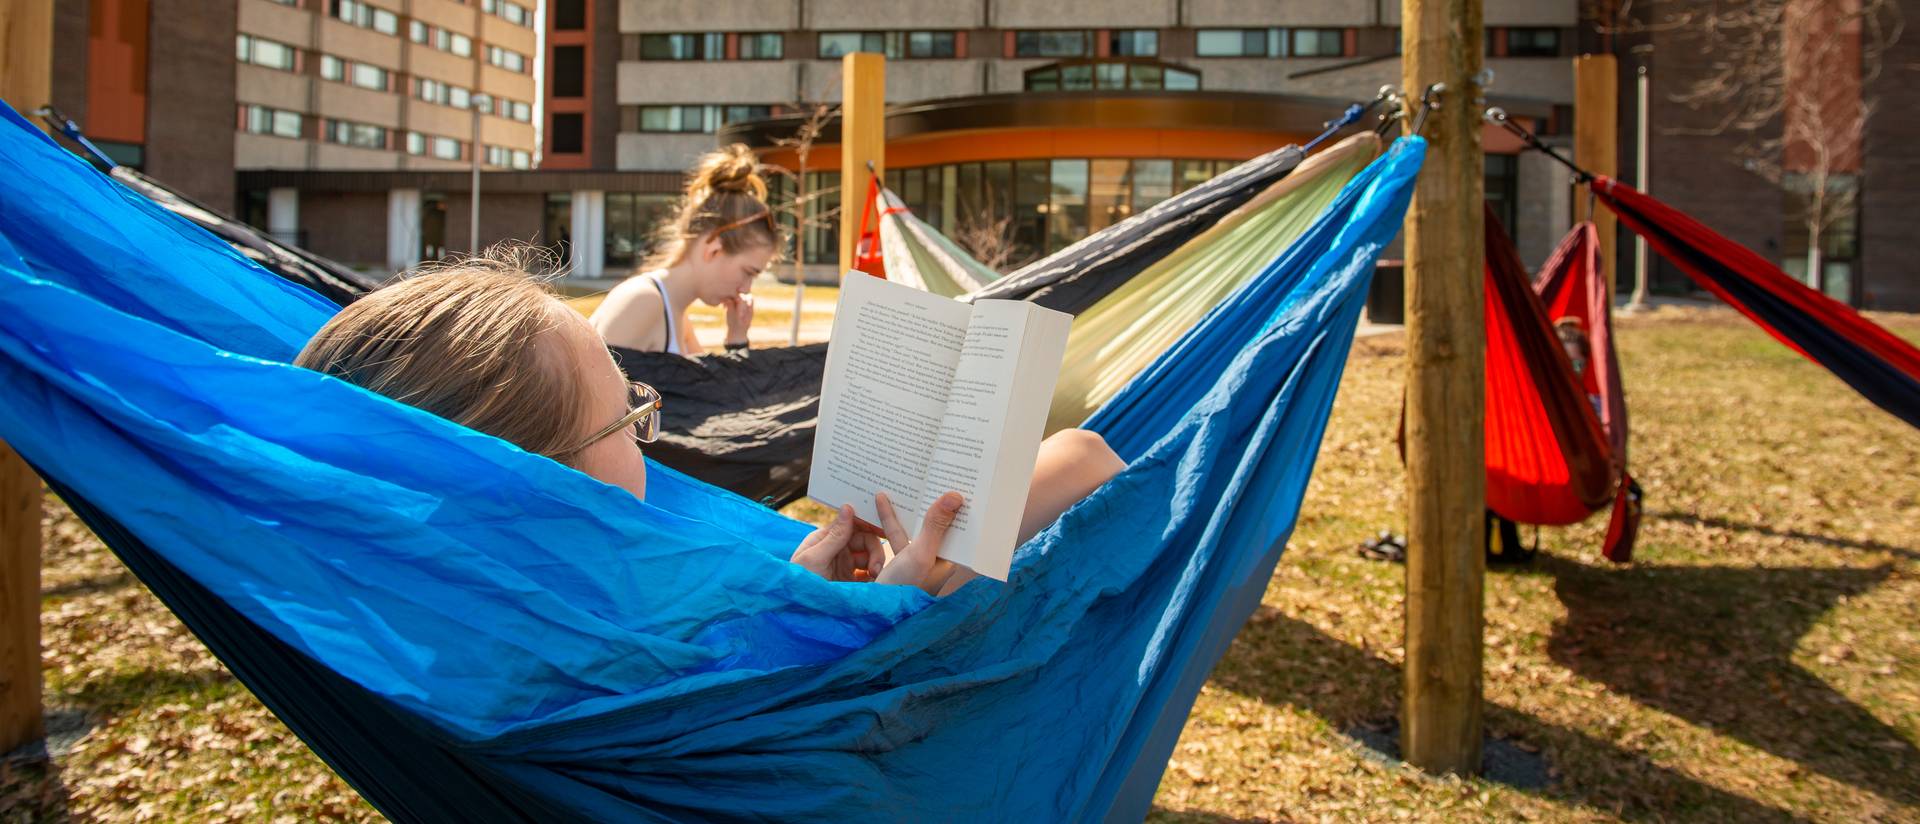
(661, 152)
(274, 21)
(709, 15)
(747, 81)
(1202, 14)
(865, 15)
(1053, 14)
(339, 100)
(259, 151)
(355, 43)
(271, 87)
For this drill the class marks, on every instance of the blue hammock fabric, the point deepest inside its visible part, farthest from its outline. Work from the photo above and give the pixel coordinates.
(466, 630)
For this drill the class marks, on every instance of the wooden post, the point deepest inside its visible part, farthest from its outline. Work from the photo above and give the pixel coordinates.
(1446, 394)
(863, 139)
(1596, 143)
(26, 83)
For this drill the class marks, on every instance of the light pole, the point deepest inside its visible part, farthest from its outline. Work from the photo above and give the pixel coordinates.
(1640, 159)
(473, 190)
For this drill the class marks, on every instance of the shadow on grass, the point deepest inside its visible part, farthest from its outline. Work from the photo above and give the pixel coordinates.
(1714, 645)
(121, 692)
(89, 586)
(1715, 522)
(1284, 661)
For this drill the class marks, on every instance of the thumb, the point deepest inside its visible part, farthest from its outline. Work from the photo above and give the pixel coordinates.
(939, 519)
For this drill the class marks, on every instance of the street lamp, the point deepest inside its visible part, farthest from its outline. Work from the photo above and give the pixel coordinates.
(473, 192)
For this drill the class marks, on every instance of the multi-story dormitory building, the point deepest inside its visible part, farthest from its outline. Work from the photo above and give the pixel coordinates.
(352, 119)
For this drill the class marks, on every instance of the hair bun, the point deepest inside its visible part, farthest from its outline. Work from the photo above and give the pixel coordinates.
(733, 168)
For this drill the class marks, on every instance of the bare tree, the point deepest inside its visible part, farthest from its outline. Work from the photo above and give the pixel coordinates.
(988, 238)
(1788, 78)
(803, 208)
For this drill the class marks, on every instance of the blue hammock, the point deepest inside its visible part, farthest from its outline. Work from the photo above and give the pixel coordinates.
(468, 632)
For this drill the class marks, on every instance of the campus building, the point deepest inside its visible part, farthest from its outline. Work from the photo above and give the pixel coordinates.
(353, 120)
(314, 89)
(1062, 116)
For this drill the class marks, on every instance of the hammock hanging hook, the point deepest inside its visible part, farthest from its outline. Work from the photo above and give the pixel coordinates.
(1498, 117)
(1429, 101)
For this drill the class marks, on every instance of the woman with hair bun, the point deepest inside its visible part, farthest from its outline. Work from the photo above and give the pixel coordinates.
(723, 237)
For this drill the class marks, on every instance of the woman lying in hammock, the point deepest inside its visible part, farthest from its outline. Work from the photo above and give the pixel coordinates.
(481, 344)
(719, 242)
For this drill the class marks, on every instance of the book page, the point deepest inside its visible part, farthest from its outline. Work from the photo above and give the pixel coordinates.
(889, 370)
(990, 436)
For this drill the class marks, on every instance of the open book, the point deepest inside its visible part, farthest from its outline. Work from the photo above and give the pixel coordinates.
(923, 395)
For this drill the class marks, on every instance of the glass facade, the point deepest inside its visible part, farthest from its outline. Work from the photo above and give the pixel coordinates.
(1037, 206)
(1103, 75)
(632, 226)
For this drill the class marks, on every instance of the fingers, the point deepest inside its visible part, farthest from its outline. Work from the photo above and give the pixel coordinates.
(821, 550)
(890, 522)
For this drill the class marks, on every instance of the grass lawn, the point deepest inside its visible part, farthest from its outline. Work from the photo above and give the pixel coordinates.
(1759, 661)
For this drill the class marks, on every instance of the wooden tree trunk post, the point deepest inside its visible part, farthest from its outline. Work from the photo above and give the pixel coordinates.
(1446, 394)
(26, 82)
(1596, 143)
(863, 139)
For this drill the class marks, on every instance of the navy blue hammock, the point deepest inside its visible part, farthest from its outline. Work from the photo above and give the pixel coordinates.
(465, 631)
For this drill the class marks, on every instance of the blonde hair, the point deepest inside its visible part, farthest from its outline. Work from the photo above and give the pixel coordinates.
(469, 341)
(726, 195)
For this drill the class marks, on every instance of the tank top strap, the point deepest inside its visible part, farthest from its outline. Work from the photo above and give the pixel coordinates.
(666, 312)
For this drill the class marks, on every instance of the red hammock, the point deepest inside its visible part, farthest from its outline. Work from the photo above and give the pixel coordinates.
(1555, 441)
(1872, 360)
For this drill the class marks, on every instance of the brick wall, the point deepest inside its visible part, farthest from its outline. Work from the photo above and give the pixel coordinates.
(348, 227)
(190, 99)
(1890, 192)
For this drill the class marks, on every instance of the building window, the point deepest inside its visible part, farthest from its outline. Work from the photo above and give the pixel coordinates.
(250, 49)
(919, 45)
(1238, 43)
(364, 75)
(1274, 42)
(511, 12)
(349, 133)
(1317, 43)
(569, 15)
(517, 110)
(416, 143)
(446, 148)
(509, 158)
(1080, 76)
(439, 38)
(710, 46)
(568, 133)
(631, 225)
(1052, 44)
(270, 121)
(686, 118)
(1134, 43)
(762, 46)
(1533, 42)
(512, 61)
(1839, 240)
(445, 94)
(569, 71)
(364, 15)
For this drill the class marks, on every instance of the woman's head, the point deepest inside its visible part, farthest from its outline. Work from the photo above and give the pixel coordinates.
(724, 231)
(480, 343)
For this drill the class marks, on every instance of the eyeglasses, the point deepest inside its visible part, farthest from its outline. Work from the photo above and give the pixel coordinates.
(643, 418)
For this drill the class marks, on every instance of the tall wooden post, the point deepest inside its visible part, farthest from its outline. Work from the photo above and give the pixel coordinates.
(1596, 143)
(1446, 379)
(863, 140)
(26, 83)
